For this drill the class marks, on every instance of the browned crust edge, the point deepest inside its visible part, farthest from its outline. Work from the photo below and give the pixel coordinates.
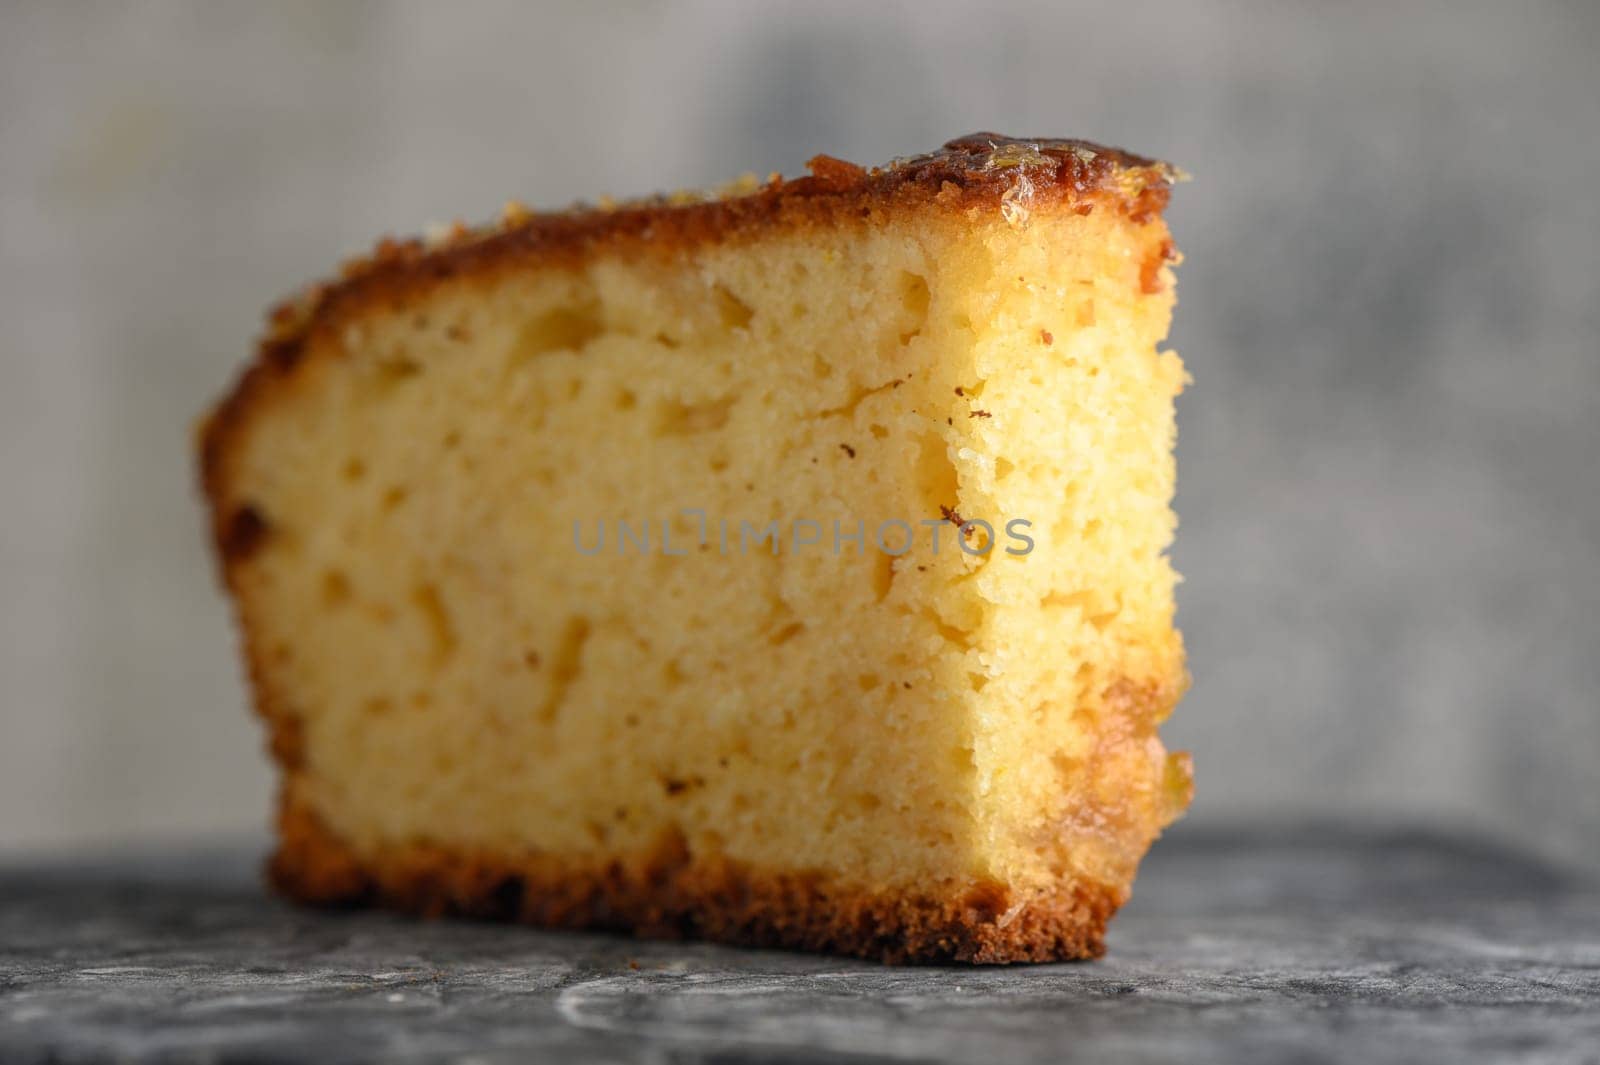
(978, 171)
(669, 894)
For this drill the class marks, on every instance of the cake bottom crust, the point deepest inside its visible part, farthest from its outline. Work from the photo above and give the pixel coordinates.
(671, 895)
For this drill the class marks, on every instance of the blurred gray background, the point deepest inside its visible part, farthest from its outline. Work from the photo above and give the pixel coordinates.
(1389, 462)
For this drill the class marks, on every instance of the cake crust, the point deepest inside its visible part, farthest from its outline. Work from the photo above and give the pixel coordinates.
(667, 894)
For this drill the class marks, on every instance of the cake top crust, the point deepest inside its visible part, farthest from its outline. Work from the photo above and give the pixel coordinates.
(980, 172)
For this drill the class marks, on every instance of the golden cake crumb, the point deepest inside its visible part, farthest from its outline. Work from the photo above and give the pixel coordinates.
(784, 566)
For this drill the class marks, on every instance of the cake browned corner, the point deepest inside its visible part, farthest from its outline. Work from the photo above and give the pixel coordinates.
(784, 566)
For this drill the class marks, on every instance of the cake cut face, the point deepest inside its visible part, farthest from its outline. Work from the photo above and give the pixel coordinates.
(783, 568)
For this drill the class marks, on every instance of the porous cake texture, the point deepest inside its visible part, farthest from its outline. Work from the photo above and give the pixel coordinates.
(782, 567)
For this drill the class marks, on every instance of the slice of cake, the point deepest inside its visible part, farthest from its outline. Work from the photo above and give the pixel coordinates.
(784, 567)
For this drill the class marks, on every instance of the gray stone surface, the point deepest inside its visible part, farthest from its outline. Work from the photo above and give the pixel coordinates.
(1242, 946)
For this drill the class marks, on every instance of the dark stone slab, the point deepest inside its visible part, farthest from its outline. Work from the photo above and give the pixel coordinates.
(1250, 946)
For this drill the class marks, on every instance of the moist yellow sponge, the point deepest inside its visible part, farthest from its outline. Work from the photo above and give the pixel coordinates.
(784, 567)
